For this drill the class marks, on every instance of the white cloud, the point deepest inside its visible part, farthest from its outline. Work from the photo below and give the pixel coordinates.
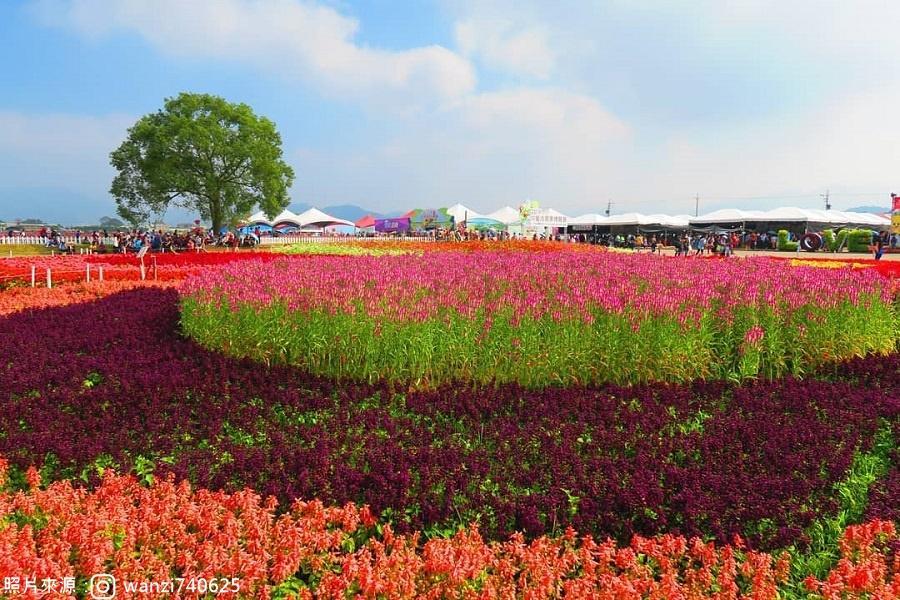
(292, 37)
(488, 150)
(503, 46)
(846, 145)
(557, 143)
(59, 149)
(56, 166)
(566, 151)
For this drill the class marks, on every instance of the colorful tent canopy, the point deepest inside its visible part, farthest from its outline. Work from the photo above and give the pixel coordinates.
(366, 221)
(430, 218)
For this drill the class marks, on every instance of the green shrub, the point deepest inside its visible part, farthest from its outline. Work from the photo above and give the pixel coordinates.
(834, 243)
(829, 240)
(859, 240)
(784, 244)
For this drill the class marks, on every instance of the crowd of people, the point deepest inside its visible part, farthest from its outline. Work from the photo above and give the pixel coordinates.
(198, 239)
(725, 243)
(103, 240)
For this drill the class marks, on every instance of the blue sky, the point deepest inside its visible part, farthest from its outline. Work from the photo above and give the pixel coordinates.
(393, 105)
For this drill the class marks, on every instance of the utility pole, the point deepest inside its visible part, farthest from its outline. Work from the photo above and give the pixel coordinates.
(697, 205)
(826, 196)
(608, 207)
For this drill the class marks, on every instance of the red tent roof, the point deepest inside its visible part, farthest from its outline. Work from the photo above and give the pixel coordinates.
(366, 221)
(408, 214)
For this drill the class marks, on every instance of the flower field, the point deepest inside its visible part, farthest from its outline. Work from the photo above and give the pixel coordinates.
(128, 447)
(244, 546)
(388, 247)
(538, 319)
(116, 267)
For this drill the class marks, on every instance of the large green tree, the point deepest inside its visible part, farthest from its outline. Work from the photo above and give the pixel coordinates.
(204, 154)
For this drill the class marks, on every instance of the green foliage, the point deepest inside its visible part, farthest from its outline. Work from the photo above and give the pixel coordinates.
(822, 552)
(835, 242)
(859, 240)
(784, 244)
(343, 249)
(541, 352)
(203, 154)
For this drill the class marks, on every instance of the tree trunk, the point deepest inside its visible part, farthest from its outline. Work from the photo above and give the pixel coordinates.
(215, 213)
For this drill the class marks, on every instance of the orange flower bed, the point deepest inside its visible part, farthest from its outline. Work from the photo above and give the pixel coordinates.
(117, 267)
(23, 298)
(887, 268)
(165, 531)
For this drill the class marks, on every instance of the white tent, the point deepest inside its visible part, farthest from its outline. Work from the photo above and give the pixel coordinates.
(460, 213)
(259, 217)
(789, 214)
(507, 215)
(792, 214)
(316, 218)
(827, 217)
(672, 222)
(627, 219)
(728, 215)
(286, 216)
(867, 219)
(589, 219)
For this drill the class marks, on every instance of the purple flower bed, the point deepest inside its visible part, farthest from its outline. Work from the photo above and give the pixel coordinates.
(114, 379)
(884, 499)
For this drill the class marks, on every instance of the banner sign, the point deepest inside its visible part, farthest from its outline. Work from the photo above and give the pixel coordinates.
(392, 225)
(431, 218)
(547, 218)
(895, 214)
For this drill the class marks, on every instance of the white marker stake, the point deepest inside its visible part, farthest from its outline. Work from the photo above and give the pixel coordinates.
(33, 275)
(49, 280)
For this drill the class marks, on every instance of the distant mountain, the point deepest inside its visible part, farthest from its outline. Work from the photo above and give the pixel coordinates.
(350, 212)
(68, 207)
(51, 205)
(870, 209)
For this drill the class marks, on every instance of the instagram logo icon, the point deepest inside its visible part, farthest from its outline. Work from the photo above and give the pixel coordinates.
(102, 587)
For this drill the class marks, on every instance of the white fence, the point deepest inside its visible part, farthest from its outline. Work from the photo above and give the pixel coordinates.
(337, 239)
(265, 240)
(42, 241)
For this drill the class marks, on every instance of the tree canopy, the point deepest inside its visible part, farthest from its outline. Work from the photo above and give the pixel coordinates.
(202, 153)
